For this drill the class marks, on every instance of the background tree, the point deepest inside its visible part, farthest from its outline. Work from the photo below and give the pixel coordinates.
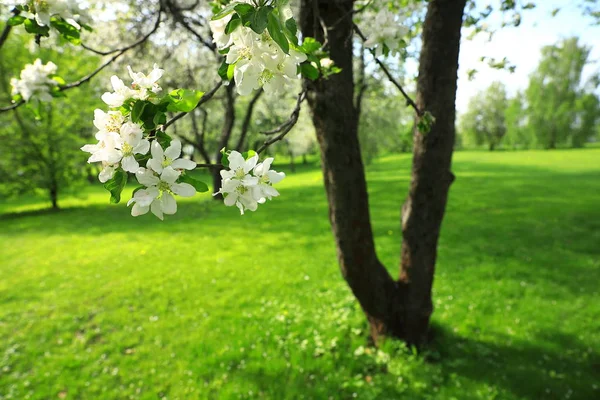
(553, 91)
(484, 123)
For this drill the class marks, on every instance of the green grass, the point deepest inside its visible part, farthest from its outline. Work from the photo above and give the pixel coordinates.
(95, 304)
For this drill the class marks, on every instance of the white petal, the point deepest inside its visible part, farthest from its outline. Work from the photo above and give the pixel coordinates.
(156, 209)
(182, 163)
(174, 150)
(183, 189)
(230, 199)
(106, 174)
(146, 177)
(138, 209)
(275, 177)
(130, 164)
(169, 175)
(142, 147)
(155, 164)
(250, 163)
(157, 151)
(236, 160)
(168, 203)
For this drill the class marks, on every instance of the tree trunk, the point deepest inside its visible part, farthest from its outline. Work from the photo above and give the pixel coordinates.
(304, 160)
(54, 197)
(492, 146)
(423, 211)
(335, 119)
(393, 308)
(228, 121)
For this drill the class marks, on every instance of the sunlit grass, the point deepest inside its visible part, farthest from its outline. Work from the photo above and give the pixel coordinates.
(95, 304)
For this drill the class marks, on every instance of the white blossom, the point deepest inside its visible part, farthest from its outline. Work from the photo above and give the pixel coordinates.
(131, 143)
(266, 179)
(35, 81)
(168, 158)
(384, 28)
(158, 194)
(120, 95)
(142, 83)
(43, 10)
(247, 184)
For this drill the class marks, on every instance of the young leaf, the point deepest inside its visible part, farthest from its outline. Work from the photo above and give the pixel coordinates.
(309, 71)
(115, 185)
(184, 100)
(233, 24)
(223, 70)
(275, 30)
(163, 139)
(230, 71)
(137, 110)
(200, 186)
(310, 45)
(260, 19)
(16, 20)
(32, 26)
(225, 11)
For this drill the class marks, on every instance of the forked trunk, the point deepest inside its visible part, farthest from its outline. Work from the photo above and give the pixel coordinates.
(393, 308)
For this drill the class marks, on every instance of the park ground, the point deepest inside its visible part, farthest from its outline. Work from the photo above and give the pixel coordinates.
(96, 304)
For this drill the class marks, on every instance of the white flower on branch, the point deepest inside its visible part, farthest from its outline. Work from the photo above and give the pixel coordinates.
(247, 184)
(120, 95)
(266, 179)
(35, 81)
(384, 29)
(143, 83)
(168, 158)
(158, 194)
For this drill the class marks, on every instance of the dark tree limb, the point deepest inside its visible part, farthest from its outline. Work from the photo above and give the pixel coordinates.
(409, 100)
(248, 119)
(287, 126)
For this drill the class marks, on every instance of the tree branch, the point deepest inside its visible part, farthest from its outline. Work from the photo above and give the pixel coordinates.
(100, 68)
(248, 119)
(7, 28)
(409, 101)
(287, 126)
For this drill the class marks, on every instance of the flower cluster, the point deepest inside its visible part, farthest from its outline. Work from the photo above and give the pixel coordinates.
(36, 82)
(160, 181)
(143, 87)
(43, 10)
(385, 31)
(124, 141)
(257, 60)
(248, 183)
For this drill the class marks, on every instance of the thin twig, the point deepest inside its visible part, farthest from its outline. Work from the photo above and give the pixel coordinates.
(131, 46)
(409, 101)
(100, 68)
(206, 97)
(7, 28)
(287, 126)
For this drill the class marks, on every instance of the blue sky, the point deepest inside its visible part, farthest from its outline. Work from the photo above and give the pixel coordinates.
(522, 47)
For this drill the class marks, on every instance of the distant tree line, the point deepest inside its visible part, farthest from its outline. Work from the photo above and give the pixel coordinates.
(557, 109)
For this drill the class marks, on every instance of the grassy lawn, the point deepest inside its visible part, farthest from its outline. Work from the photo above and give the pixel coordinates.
(95, 304)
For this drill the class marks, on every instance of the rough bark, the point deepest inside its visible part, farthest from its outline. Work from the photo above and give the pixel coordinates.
(423, 211)
(228, 122)
(394, 308)
(335, 119)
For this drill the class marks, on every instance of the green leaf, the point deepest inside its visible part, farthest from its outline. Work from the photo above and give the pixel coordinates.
(224, 157)
(223, 70)
(160, 118)
(233, 24)
(230, 8)
(200, 186)
(248, 154)
(309, 71)
(260, 19)
(310, 45)
(163, 139)
(275, 30)
(138, 110)
(32, 26)
(58, 79)
(115, 185)
(230, 71)
(184, 100)
(16, 20)
(67, 31)
(291, 30)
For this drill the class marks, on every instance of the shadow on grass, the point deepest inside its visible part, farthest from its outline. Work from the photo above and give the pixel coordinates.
(551, 367)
